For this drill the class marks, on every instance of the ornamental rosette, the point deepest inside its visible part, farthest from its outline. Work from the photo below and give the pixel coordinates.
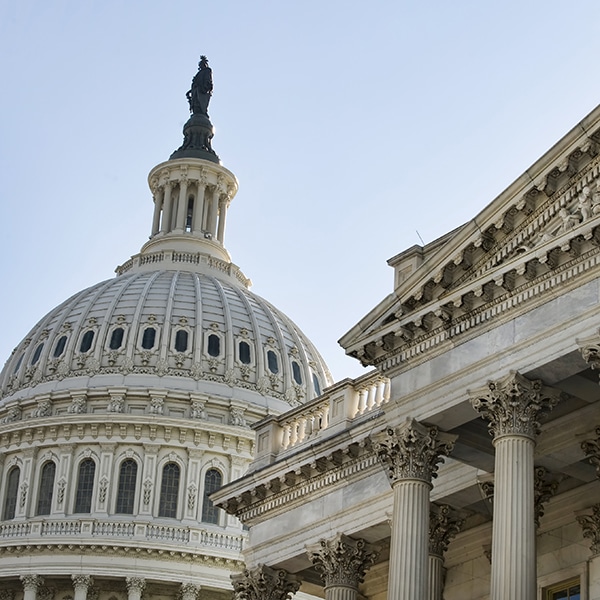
(412, 451)
(264, 583)
(342, 561)
(513, 405)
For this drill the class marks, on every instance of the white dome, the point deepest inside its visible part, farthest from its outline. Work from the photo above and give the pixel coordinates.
(182, 330)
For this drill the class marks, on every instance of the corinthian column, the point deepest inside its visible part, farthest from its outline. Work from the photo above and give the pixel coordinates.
(342, 562)
(513, 407)
(135, 587)
(81, 584)
(410, 455)
(443, 526)
(31, 585)
(264, 583)
(189, 591)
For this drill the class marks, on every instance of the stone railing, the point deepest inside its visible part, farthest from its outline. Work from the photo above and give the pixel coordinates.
(336, 409)
(95, 530)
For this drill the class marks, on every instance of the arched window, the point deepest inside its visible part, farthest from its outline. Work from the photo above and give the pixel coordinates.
(296, 373)
(37, 354)
(12, 491)
(18, 364)
(181, 340)
(190, 213)
(126, 489)
(169, 491)
(86, 341)
(272, 362)
(116, 338)
(214, 345)
(44, 505)
(60, 346)
(85, 486)
(148, 338)
(244, 352)
(212, 482)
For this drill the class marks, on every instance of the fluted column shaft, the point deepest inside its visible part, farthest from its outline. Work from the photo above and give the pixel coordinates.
(198, 208)
(410, 541)
(436, 577)
(182, 203)
(158, 204)
(513, 530)
(165, 226)
(222, 216)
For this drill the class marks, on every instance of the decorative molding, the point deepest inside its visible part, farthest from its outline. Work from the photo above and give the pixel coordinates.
(412, 451)
(513, 405)
(342, 561)
(591, 527)
(444, 524)
(264, 583)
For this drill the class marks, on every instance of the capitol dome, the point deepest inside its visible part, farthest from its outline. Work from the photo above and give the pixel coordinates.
(129, 404)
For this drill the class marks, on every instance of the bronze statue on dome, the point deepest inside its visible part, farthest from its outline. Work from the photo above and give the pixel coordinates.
(201, 91)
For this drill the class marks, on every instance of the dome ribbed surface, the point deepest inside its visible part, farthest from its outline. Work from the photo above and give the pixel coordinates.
(175, 329)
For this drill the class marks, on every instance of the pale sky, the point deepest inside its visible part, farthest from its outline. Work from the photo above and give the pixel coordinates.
(350, 126)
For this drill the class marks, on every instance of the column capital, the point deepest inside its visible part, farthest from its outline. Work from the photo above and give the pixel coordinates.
(31, 583)
(591, 527)
(412, 450)
(444, 524)
(82, 582)
(264, 583)
(7, 594)
(514, 404)
(543, 489)
(342, 561)
(135, 584)
(592, 451)
(189, 591)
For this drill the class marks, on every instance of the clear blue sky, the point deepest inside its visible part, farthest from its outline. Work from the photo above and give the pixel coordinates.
(350, 126)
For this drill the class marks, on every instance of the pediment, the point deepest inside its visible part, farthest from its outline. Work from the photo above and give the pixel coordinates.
(543, 224)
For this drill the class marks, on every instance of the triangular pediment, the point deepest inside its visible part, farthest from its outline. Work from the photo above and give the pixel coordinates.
(546, 222)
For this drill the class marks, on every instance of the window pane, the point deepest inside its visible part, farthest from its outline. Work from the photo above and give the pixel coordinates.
(169, 491)
(245, 353)
(214, 345)
(86, 341)
(212, 482)
(116, 338)
(18, 364)
(296, 372)
(272, 362)
(60, 346)
(37, 354)
(148, 338)
(126, 491)
(181, 340)
(85, 486)
(12, 490)
(316, 385)
(44, 505)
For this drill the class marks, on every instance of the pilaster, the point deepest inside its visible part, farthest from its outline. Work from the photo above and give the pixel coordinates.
(513, 406)
(342, 563)
(264, 583)
(410, 455)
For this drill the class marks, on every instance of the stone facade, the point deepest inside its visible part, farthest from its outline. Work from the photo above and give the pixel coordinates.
(469, 456)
